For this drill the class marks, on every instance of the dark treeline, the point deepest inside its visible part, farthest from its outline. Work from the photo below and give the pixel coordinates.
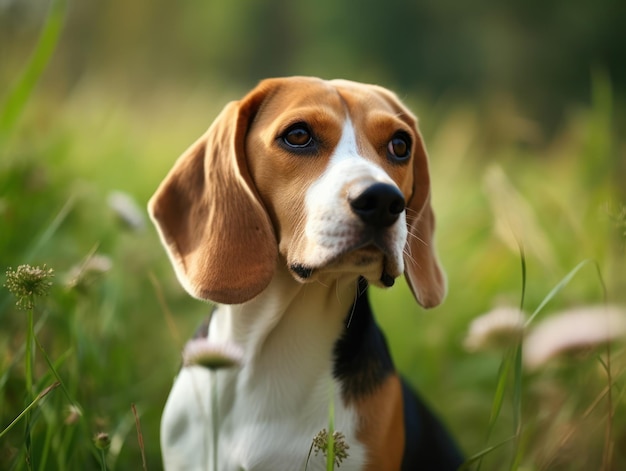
(543, 54)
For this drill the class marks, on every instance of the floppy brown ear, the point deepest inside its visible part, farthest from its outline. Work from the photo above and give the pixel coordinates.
(216, 232)
(421, 266)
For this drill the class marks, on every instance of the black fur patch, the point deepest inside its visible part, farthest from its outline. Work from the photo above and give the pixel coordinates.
(362, 360)
(428, 444)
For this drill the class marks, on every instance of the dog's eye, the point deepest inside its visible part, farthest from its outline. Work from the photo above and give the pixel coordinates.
(298, 136)
(399, 147)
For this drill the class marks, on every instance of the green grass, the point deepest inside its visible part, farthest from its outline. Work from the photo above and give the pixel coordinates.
(23, 89)
(112, 343)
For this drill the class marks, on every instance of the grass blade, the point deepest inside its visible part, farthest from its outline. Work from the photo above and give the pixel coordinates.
(330, 451)
(498, 397)
(52, 228)
(481, 454)
(517, 388)
(517, 406)
(522, 256)
(39, 397)
(139, 437)
(517, 368)
(57, 376)
(561, 284)
(23, 89)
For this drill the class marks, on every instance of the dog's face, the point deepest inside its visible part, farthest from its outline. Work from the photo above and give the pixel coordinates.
(333, 176)
(333, 165)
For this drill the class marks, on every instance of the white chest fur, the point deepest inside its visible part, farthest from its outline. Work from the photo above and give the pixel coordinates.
(272, 407)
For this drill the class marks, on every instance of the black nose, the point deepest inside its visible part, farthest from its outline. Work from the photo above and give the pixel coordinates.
(379, 205)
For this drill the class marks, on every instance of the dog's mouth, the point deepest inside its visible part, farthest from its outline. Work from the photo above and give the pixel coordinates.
(371, 260)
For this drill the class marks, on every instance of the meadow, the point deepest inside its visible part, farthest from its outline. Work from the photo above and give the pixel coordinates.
(525, 219)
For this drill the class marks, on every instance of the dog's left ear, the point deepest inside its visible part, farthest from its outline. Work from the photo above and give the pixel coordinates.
(421, 266)
(211, 221)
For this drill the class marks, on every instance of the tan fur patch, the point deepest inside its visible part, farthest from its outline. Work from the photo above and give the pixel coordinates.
(382, 426)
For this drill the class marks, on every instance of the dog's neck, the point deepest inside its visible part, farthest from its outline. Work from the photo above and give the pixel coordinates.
(277, 401)
(288, 334)
(288, 320)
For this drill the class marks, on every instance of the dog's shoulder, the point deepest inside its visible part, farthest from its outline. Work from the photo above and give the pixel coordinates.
(363, 366)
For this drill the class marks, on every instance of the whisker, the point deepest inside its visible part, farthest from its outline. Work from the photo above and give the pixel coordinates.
(410, 212)
(416, 237)
(411, 218)
(408, 255)
(356, 295)
(364, 288)
(318, 281)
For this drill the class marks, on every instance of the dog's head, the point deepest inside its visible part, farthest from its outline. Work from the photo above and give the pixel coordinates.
(331, 175)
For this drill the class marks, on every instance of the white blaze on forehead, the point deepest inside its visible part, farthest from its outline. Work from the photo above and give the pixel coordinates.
(346, 165)
(347, 145)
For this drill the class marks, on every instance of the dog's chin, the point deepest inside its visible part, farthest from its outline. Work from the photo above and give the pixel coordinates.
(368, 262)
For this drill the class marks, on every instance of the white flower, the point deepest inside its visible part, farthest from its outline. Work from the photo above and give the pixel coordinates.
(499, 328)
(572, 331)
(89, 270)
(212, 355)
(127, 210)
(73, 415)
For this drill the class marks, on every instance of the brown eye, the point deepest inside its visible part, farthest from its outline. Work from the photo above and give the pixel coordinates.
(399, 147)
(298, 136)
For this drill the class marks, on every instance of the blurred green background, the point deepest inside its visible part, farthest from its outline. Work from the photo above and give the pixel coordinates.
(522, 106)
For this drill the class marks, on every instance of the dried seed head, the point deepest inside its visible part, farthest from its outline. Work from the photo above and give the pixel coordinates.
(214, 356)
(341, 447)
(27, 282)
(84, 274)
(102, 441)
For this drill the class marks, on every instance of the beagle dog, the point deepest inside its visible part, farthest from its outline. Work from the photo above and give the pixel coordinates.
(297, 198)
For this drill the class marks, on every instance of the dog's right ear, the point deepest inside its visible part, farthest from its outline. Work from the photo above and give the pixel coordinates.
(209, 216)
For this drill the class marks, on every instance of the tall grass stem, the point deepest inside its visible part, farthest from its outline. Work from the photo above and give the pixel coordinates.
(330, 451)
(22, 90)
(103, 461)
(28, 408)
(557, 289)
(214, 419)
(52, 227)
(29, 372)
(57, 376)
(140, 437)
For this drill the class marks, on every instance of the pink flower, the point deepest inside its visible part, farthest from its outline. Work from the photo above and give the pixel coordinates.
(573, 331)
(497, 329)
